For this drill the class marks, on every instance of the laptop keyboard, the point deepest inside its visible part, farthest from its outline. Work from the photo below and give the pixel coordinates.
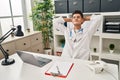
(43, 61)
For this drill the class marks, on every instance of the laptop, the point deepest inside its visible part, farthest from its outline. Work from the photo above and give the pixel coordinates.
(30, 59)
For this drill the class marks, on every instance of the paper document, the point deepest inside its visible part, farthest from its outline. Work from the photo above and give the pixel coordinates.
(60, 69)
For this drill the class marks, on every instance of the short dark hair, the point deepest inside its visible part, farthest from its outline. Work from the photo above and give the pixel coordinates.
(77, 12)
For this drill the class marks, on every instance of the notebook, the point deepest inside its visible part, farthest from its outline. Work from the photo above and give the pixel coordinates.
(33, 60)
(60, 69)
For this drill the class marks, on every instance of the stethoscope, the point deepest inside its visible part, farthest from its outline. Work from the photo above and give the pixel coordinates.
(71, 34)
(80, 31)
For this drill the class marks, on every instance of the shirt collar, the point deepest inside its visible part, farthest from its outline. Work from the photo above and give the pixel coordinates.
(72, 32)
(80, 30)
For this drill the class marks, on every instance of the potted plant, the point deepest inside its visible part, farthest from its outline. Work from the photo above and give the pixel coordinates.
(95, 49)
(111, 47)
(42, 16)
(62, 42)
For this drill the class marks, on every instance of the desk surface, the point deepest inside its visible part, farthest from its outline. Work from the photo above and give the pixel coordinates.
(24, 71)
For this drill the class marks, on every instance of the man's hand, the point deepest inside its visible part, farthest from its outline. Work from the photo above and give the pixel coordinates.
(67, 19)
(87, 18)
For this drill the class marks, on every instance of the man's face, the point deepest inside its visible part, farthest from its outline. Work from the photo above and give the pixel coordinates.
(77, 20)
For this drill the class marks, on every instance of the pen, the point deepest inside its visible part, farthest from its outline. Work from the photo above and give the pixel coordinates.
(58, 69)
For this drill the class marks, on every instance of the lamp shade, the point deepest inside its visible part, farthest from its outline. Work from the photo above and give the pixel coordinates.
(19, 31)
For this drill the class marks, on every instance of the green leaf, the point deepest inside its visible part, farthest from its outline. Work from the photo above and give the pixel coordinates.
(42, 16)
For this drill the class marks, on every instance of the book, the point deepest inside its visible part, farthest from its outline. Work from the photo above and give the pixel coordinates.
(60, 69)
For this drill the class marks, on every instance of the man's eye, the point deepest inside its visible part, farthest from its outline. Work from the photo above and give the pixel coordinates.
(78, 17)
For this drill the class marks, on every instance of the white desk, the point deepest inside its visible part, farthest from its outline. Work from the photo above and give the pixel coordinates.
(23, 71)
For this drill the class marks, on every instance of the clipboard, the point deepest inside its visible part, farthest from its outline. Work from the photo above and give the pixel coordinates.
(60, 69)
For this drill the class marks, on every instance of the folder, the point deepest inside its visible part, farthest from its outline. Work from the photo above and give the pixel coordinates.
(60, 69)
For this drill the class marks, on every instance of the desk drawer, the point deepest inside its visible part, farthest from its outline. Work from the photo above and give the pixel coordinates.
(23, 44)
(9, 47)
(1, 55)
(37, 48)
(35, 39)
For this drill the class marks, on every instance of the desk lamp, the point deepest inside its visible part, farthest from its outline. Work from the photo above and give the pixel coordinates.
(7, 60)
(19, 31)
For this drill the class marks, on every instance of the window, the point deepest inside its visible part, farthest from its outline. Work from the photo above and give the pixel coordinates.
(12, 13)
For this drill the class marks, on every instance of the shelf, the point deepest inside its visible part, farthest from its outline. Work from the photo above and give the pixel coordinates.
(58, 33)
(107, 42)
(94, 53)
(112, 56)
(106, 50)
(111, 35)
(94, 56)
(57, 39)
(62, 15)
(100, 41)
(95, 44)
(58, 50)
(99, 45)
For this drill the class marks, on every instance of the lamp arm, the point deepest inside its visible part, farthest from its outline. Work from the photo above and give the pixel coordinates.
(7, 61)
(4, 52)
(7, 34)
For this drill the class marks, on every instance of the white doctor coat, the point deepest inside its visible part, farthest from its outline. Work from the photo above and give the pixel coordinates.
(77, 43)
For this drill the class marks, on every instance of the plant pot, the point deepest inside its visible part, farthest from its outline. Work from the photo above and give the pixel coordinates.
(111, 51)
(94, 49)
(58, 53)
(62, 45)
(48, 51)
(12, 34)
(28, 30)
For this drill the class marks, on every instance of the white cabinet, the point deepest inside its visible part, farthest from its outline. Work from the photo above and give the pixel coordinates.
(58, 35)
(99, 44)
(100, 41)
(95, 47)
(30, 42)
(95, 43)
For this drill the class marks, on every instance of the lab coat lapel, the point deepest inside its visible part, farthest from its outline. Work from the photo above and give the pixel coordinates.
(75, 36)
(79, 35)
(68, 48)
(72, 35)
(82, 34)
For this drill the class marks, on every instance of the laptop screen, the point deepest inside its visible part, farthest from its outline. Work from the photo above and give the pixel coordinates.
(31, 59)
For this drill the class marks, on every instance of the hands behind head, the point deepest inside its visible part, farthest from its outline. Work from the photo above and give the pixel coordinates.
(87, 18)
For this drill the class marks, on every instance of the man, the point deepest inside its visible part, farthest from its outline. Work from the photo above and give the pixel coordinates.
(78, 35)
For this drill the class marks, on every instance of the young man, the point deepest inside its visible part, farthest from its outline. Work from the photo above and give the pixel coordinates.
(78, 35)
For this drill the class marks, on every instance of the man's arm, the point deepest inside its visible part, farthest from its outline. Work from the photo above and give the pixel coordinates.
(67, 19)
(96, 21)
(59, 24)
(86, 18)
